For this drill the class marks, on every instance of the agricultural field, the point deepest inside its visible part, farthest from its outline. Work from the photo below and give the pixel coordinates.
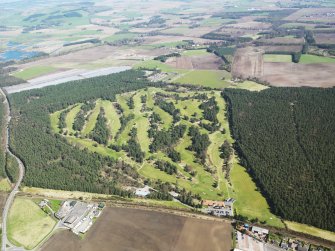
(28, 225)
(148, 230)
(187, 172)
(34, 72)
(208, 78)
(277, 58)
(313, 59)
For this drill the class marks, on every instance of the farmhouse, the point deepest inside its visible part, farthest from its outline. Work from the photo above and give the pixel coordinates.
(220, 208)
(64, 210)
(262, 232)
(142, 192)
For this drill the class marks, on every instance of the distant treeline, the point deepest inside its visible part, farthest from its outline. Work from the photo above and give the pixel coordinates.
(163, 58)
(91, 41)
(229, 40)
(285, 138)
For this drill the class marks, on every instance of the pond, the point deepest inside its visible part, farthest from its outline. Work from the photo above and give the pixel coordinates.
(16, 52)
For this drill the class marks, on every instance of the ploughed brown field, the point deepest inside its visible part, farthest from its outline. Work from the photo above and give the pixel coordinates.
(204, 62)
(297, 75)
(135, 229)
(248, 63)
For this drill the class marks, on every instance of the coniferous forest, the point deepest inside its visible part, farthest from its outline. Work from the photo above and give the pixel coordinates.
(286, 139)
(50, 161)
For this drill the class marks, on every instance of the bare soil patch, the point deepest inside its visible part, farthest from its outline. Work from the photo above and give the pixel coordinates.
(324, 38)
(249, 63)
(297, 75)
(134, 229)
(105, 53)
(274, 48)
(205, 62)
(281, 41)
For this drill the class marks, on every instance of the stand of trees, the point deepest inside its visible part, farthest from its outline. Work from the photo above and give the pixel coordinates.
(166, 167)
(100, 132)
(51, 162)
(285, 138)
(200, 143)
(189, 199)
(164, 139)
(163, 58)
(62, 122)
(130, 102)
(5, 78)
(169, 108)
(134, 148)
(124, 120)
(12, 168)
(226, 150)
(79, 120)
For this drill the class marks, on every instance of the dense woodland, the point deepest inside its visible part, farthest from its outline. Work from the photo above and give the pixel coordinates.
(133, 147)
(200, 143)
(5, 78)
(50, 161)
(100, 132)
(285, 137)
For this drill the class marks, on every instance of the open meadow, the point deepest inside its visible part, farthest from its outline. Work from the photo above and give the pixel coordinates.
(28, 225)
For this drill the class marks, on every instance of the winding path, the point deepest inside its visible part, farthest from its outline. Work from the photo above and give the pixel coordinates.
(11, 196)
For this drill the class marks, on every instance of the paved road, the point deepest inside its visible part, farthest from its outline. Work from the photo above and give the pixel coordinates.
(11, 196)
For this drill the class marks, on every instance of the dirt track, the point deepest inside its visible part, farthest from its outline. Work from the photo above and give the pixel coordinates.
(134, 229)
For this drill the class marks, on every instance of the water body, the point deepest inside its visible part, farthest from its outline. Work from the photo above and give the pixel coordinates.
(17, 55)
(16, 52)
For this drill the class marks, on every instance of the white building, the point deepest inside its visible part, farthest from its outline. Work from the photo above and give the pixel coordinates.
(142, 192)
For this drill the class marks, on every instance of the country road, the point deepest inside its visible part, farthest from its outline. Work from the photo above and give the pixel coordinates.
(11, 196)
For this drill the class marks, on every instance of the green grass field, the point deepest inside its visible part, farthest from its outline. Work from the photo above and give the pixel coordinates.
(120, 36)
(277, 58)
(92, 119)
(34, 71)
(311, 230)
(112, 118)
(313, 59)
(155, 64)
(5, 185)
(249, 201)
(54, 119)
(200, 52)
(27, 223)
(55, 205)
(208, 78)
